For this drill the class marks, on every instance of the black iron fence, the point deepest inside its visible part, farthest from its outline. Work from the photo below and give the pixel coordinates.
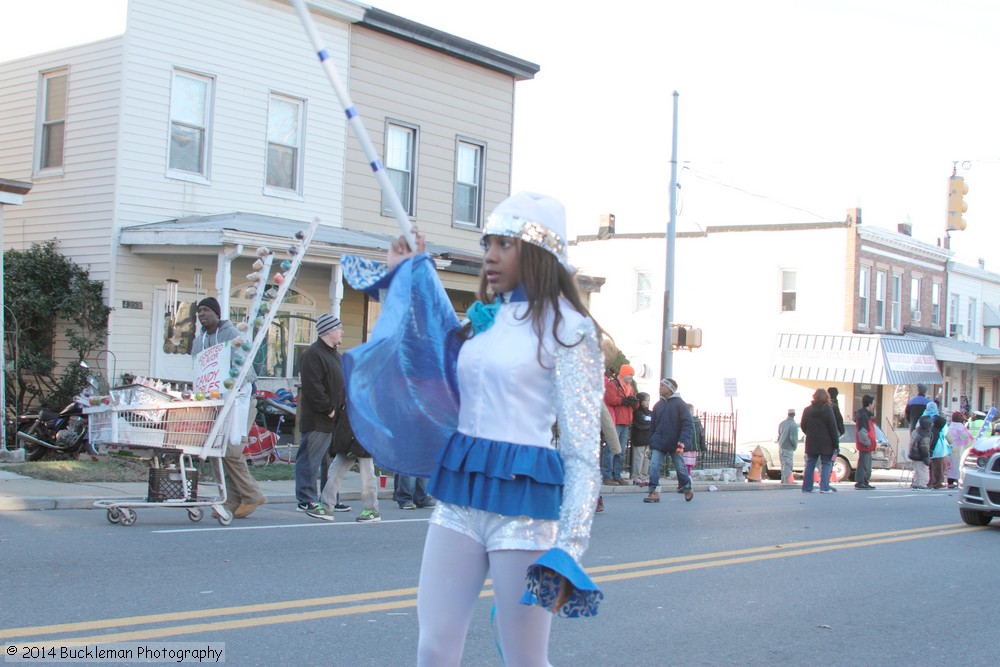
(718, 449)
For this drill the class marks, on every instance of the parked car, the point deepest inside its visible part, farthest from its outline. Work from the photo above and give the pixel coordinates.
(979, 501)
(844, 463)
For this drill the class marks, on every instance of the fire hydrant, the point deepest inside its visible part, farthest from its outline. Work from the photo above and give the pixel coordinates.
(756, 465)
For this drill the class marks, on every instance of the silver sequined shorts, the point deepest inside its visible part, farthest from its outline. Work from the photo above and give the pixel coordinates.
(495, 531)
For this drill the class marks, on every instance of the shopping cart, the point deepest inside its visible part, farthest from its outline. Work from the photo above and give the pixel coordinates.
(172, 436)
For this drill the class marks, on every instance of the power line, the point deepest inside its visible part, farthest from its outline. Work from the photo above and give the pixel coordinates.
(703, 177)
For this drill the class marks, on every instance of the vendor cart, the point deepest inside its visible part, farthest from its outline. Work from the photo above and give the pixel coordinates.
(171, 435)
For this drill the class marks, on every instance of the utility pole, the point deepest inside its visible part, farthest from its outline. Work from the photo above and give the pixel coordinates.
(666, 354)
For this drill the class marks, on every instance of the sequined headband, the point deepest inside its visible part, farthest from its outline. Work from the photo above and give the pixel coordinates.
(529, 231)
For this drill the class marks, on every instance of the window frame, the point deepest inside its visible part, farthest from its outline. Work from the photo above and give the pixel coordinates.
(794, 291)
(971, 320)
(294, 192)
(864, 296)
(204, 174)
(935, 304)
(642, 296)
(916, 289)
(410, 201)
(881, 285)
(43, 123)
(896, 302)
(480, 184)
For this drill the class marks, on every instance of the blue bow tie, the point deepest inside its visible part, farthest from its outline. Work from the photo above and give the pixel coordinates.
(483, 315)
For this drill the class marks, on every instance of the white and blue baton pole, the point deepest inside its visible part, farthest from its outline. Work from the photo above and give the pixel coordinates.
(355, 121)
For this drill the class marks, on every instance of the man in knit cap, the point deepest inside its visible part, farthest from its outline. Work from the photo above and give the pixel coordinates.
(321, 395)
(243, 494)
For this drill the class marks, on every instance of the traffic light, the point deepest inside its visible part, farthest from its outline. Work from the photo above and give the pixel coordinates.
(957, 189)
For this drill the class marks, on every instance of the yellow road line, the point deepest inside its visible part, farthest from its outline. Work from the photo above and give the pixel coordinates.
(631, 571)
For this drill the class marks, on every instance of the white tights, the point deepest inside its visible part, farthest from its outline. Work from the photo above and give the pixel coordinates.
(452, 574)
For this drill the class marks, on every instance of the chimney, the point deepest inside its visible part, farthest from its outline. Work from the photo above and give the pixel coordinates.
(853, 216)
(905, 228)
(982, 263)
(607, 228)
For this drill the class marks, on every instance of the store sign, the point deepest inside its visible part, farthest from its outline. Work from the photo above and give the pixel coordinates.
(911, 363)
(729, 385)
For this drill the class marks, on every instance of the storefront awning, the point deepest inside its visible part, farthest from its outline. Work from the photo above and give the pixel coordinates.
(892, 360)
(961, 351)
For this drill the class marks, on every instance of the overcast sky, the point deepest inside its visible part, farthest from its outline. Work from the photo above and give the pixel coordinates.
(790, 111)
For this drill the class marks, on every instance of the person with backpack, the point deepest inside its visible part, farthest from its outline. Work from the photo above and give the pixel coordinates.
(865, 443)
(920, 452)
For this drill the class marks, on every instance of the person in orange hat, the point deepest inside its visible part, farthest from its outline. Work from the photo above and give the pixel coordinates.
(619, 396)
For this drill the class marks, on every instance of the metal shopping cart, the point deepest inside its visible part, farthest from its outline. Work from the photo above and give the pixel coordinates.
(172, 435)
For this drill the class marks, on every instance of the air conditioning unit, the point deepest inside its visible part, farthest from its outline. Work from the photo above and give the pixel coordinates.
(954, 329)
(915, 317)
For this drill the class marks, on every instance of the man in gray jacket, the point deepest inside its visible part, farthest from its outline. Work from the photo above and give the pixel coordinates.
(243, 495)
(788, 440)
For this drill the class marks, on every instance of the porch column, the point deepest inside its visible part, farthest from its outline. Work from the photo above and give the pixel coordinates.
(224, 277)
(336, 289)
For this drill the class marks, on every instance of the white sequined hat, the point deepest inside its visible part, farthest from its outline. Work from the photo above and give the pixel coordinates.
(536, 219)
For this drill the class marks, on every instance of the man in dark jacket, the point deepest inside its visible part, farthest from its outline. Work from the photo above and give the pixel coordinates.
(834, 393)
(915, 406)
(672, 435)
(322, 394)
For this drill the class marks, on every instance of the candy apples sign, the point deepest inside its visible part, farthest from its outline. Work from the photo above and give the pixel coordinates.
(211, 367)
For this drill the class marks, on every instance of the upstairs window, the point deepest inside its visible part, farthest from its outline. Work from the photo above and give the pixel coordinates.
(643, 291)
(190, 123)
(52, 119)
(895, 310)
(864, 291)
(880, 300)
(469, 183)
(915, 313)
(401, 164)
(971, 322)
(936, 304)
(787, 290)
(284, 139)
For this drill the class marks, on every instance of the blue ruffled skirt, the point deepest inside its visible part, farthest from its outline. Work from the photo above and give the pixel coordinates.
(499, 477)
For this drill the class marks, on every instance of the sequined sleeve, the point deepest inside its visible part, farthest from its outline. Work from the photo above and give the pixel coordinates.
(579, 392)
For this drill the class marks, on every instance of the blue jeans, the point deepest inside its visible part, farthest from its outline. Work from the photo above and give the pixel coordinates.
(407, 488)
(312, 447)
(656, 460)
(826, 467)
(611, 464)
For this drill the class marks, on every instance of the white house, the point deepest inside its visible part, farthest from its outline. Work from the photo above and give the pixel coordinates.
(167, 155)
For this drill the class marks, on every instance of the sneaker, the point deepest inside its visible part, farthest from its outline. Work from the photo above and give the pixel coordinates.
(830, 490)
(808, 490)
(408, 505)
(369, 516)
(430, 504)
(341, 507)
(305, 507)
(688, 494)
(320, 512)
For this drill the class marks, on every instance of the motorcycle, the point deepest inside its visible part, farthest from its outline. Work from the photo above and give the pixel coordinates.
(61, 434)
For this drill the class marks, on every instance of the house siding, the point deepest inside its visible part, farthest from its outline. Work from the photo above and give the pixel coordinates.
(445, 98)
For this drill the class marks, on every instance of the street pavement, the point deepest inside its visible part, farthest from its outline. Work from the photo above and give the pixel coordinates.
(18, 492)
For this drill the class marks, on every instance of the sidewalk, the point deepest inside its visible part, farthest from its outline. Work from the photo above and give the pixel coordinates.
(18, 492)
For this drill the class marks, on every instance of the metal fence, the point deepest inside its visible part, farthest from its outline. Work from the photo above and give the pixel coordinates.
(719, 448)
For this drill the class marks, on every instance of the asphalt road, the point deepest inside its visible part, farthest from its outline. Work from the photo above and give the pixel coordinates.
(769, 578)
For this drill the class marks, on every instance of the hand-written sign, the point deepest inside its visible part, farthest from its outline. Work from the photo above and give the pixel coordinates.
(211, 367)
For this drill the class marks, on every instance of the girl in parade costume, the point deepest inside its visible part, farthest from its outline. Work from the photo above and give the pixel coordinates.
(511, 506)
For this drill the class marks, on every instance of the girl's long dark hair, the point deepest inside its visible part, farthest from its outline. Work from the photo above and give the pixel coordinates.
(543, 280)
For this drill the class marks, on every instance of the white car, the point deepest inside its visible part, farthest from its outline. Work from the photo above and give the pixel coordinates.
(979, 501)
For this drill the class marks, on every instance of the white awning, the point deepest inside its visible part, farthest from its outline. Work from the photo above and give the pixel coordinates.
(883, 360)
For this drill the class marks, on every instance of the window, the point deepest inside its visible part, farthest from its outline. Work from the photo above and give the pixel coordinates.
(895, 314)
(970, 330)
(292, 331)
(787, 290)
(936, 304)
(469, 183)
(953, 310)
(915, 300)
(52, 119)
(400, 164)
(190, 131)
(864, 291)
(880, 299)
(643, 291)
(284, 139)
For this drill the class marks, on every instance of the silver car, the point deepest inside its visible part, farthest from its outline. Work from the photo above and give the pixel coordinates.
(979, 501)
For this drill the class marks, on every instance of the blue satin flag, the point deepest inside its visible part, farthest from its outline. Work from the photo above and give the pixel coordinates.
(402, 387)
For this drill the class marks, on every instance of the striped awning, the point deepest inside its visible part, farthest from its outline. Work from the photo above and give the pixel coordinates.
(885, 360)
